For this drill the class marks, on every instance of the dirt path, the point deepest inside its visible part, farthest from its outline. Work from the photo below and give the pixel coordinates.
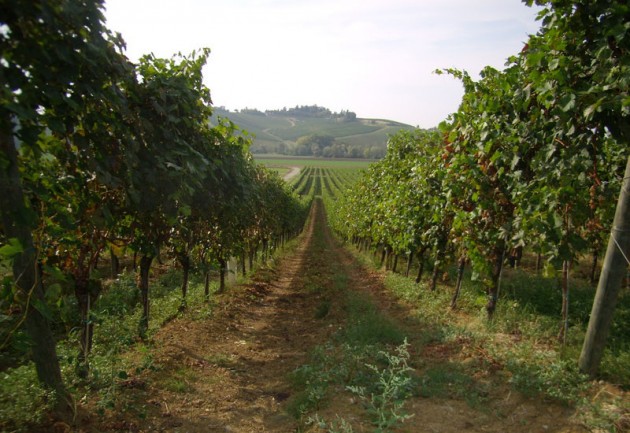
(243, 354)
(229, 372)
(293, 171)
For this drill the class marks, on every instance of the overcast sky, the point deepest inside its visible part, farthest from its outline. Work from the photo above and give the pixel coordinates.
(373, 57)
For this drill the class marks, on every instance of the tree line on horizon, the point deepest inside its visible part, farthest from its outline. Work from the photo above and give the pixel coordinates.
(313, 111)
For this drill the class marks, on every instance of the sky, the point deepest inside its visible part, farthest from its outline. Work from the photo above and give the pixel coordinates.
(374, 57)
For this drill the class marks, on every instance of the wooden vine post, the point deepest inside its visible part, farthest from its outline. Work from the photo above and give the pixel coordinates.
(613, 270)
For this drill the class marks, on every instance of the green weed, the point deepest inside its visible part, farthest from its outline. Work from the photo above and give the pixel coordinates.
(448, 380)
(340, 425)
(313, 380)
(322, 309)
(613, 416)
(394, 384)
(119, 297)
(313, 287)
(221, 359)
(340, 281)
(544, 374)
(616, 366)
(354, 359)
(23, 402)
(180, 380)
(180, 386)
(381, 379)
(367, 326)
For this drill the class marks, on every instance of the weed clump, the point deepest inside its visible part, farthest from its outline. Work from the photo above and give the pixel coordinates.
(393, 386)
(368, 358)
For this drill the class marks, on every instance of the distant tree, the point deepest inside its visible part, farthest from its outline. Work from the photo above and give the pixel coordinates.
(302, 149)
(305, 111)
(316, 150)
(221, 111)
(337, 150)
(253, 111)
(259, 148)
(354, 152)
(347, 116)
(282, 148)
(315, 143)
(374, 152)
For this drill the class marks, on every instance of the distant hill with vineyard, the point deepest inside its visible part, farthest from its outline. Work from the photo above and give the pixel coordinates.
(314, 131)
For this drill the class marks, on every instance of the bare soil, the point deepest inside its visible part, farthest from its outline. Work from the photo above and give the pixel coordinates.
(229, 371)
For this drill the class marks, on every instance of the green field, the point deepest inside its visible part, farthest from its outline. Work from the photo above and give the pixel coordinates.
(277, 162)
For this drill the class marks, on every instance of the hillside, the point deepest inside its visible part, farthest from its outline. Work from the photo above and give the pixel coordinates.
(314, 131)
